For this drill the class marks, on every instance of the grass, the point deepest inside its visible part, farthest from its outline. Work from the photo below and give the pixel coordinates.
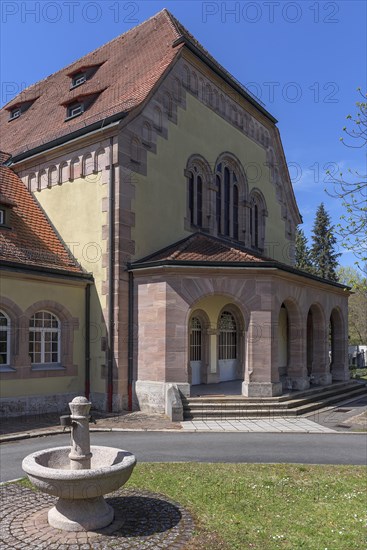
(264, 506)
(358, 374)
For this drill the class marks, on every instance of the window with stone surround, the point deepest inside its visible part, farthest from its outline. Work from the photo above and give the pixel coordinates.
(4, 340)
(197, 174)
(44, 339)
(227, 201)
(258, 214)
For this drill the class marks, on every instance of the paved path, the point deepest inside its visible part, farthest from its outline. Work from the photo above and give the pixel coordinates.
(277, 425)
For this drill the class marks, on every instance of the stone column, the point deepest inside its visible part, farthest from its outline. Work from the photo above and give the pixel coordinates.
(213, 356)
(261, 380)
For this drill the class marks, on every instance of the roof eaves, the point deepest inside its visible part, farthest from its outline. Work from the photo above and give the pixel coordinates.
(98, 125)
(42, 270)
(233, 265)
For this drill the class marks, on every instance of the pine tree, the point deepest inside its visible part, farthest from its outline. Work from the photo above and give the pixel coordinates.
(323, 255)
(303, 259)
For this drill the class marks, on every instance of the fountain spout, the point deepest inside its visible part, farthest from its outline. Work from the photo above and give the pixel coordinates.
(80, 454)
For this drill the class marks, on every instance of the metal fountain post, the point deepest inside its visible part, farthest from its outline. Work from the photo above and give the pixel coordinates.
(80, 455)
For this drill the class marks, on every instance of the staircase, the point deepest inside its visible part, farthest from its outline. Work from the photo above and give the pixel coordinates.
(290, 405)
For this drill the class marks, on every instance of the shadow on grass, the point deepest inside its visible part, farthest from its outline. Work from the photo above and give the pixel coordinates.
(141, 516)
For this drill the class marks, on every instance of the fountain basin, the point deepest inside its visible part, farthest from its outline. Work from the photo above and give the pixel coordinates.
(81, 505)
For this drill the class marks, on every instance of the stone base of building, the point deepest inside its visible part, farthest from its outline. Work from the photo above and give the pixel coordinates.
(321, 379)
(340, 375)
(151, 397)
(299, 383)
(35, 404)
(261, 389)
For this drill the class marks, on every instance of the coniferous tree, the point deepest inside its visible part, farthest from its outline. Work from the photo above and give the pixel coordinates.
(323, 255)
(303, 258)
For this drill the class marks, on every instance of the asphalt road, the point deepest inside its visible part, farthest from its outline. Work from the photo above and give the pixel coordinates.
(334, 448)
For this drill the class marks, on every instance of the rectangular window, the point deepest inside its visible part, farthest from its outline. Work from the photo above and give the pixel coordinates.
(2, 217)
(15, 113)
(75, 109)
(78, 79)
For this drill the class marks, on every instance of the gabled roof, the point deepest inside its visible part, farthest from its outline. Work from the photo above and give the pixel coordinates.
(30, 239)
(127, 69)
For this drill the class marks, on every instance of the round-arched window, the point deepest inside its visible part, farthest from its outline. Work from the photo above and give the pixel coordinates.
(227, 336)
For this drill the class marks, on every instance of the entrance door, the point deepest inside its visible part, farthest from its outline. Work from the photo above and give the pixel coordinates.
(196, 350)
(227, 352)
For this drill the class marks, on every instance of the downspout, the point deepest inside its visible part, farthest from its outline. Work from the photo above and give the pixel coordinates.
(87, 341)
(130, 342)
(111, 285)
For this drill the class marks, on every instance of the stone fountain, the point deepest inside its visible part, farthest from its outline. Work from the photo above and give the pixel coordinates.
(79, 475)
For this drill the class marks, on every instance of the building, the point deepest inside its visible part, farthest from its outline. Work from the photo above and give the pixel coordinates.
(44, 292)
(167, 181)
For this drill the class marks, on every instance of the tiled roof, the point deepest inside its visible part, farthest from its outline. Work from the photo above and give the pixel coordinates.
(126, 71)
(199, 247)
(130, 66)
(30, 240)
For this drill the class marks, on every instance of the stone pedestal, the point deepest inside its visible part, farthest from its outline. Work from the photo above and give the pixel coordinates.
(83, 514)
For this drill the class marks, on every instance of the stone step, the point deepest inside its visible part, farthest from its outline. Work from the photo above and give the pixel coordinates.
(290, 399)
(196, 408)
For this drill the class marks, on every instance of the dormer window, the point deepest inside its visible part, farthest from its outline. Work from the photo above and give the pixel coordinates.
(75, 109)
(21, 107)
(15, 113)
(82, 74)
(80, 104)
(78, 79)
(6, 206)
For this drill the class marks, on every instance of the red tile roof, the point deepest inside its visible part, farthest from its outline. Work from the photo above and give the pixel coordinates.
(127, 70)
(204, 248)
(130, 66)
(30, 240)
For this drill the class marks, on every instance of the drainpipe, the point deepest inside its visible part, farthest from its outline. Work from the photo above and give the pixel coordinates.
(87, 341)
(130, 342)
(111, 285)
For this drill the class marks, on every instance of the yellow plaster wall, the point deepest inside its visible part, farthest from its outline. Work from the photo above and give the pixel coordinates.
(25, 292)
(75, 209)
(212, 305)
(160, 197)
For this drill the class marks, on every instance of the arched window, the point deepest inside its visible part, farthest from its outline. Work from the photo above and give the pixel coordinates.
(227, 201)
(44, 338)
(196, 193)
(4, 339)
(257, 221)
(195, 339)
(227, 336)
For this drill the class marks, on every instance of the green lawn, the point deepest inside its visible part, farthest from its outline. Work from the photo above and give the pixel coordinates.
(358, 374)
(265, 507)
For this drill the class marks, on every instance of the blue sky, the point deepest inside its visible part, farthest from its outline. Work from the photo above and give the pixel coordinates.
(303, 59)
